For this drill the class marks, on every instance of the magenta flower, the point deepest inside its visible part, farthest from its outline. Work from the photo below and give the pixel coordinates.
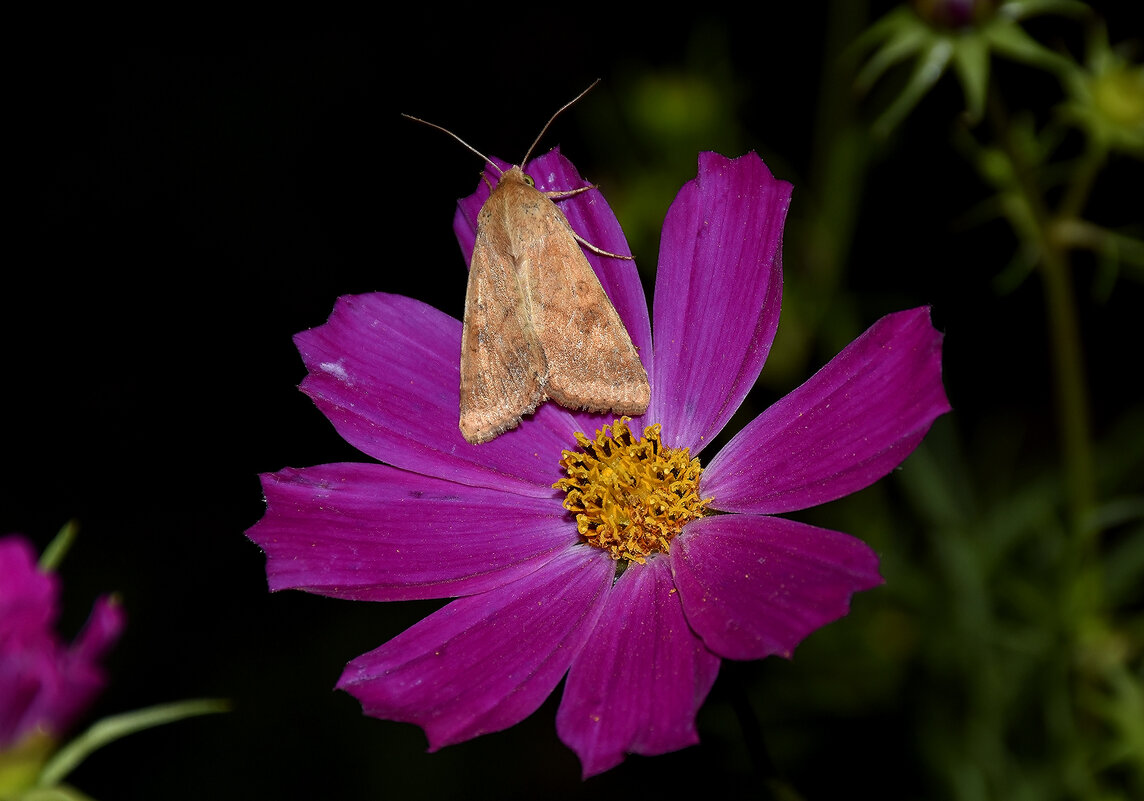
(642, 568)
(45, 685)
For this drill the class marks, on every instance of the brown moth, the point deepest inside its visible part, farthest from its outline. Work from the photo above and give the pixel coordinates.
(538, 324)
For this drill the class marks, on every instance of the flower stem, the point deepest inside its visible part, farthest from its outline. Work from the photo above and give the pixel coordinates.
(1080, 186)
(1070, 388)
(1069, 383)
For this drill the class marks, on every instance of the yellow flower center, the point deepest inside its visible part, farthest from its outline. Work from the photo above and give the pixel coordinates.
(630, 496)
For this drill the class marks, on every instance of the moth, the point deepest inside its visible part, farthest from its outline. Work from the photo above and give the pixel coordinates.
(538, 325)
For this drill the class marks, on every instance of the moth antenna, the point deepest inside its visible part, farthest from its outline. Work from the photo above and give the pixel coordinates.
(553, 117)
(459, 139)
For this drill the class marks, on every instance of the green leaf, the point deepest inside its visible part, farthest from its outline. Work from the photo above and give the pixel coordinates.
(1022, 9)
(112, 728)
(893, 24)
(1011, 41)
(61, 792)
(971, 62)
(899, 48)
(54, 554)
(928, 69)
(1124, 561)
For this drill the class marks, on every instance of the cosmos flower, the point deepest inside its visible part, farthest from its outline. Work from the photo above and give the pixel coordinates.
(584, 547)
(45, 685)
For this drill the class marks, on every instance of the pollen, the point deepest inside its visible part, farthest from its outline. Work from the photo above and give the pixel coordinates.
(630, 496)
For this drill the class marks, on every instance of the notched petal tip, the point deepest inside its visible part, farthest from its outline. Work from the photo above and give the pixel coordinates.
(756, 586)
(642, 636)
(485, 662)
(366, 531)
(847, 426)
(720, 262)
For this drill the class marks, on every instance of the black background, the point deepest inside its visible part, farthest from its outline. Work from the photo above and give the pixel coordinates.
(199, 191)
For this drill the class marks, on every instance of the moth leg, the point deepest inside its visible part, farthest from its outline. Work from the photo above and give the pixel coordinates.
(560, 195)
(600, 251)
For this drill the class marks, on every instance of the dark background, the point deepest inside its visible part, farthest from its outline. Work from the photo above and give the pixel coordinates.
(199, 192)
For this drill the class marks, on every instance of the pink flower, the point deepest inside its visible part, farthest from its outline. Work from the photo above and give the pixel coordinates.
(689, 569)
(45, 685)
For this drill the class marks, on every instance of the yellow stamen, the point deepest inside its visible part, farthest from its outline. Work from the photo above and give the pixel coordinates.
(630, 496)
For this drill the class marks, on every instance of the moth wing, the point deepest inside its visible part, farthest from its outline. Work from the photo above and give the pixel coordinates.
(502, 363)
(592, 363)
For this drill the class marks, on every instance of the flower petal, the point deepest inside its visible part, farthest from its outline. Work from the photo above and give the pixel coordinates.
(372, 532)
(27, 595)
(641, 677)
(753, 586)
(486, 662)
(102, 630)
(82, 677)
(44, 683)
(717, 295)
(850, 424)
(594, 221)
(385, 370)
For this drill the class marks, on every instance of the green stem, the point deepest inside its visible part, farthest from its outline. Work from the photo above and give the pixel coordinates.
(1070, 387)
(1080, 186)
(1069, 383)
(1078, 595)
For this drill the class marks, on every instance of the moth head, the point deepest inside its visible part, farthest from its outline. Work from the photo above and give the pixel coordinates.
(527, 179)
